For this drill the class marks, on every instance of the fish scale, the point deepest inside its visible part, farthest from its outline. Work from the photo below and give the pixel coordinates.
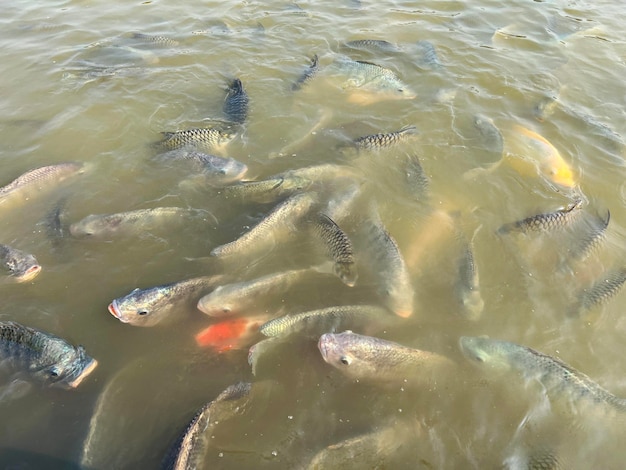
(385, 140)
(236, 102)
(545, 222)
(600, 292)
(206, 137)
(339, 248)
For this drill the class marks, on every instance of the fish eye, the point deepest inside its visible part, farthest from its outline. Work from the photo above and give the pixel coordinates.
(225, 310)
(222, 171)
(54, 373)
(142, 312)
(345, 360)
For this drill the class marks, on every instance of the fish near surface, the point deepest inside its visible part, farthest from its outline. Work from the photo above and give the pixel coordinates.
(236, 102)
(386, 140)
(550, 221)
(213, 169)
(18, 265)
(599, 293)
(206, 138)
(234, 333)
(339, 247)
(157, 305)
(467, 287)
(43, 357)
(308, 74)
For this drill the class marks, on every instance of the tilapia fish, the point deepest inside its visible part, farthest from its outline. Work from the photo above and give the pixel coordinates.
(160, 304)
(559, 380)
(467, 287)
(490, 134)
(368, 358)
(545, 222)
(43, 356)
(308, 74)
(276, 226)
(19, 266)
(338, 246)
(428, 55)
(416, 180)
(207, 138)
(215, 170)
(325, 319)
(236, 102)
(265, 191)
(381, 141)
(190, 449)
(37, 182)
(601, 292)
(133, 222)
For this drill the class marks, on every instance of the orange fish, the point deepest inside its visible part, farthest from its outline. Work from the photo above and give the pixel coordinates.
(230, 334)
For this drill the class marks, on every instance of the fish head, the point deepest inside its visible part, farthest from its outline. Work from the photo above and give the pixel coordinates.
(218, 303)
(484, 351)
(346, 272)
(69, 367)
(146, 307)
(399, 298)
(349, 352)
(22, 267)
(560, 173)
(94, 225)
(473, 304)
(229, 171)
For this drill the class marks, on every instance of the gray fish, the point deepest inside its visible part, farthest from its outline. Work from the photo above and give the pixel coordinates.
(467, 287)
(545, 107)
(17, 265)
(417, 181)
(588, 238)
(490, 134)
(236, 102)
(544, 460)
(191, 447)
(37, 182)
(215, 170)
(559, 380)
(269, 190)
(135, 222)
(368, 358)
(545, 222)
(43, 356)
(375, 45)
(308, 74)
(160, 304)
(279, 224)
(338, 246)
(341, 204)
(158, 41)
(428, 55)
(206, 138)
(600, 292)
(323, 320)
(386, 140)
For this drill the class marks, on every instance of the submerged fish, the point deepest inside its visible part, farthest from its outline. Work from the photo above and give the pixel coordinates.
(148, 307)
(428, 55)
(159, 41)
(559, 380)
(325, 319)
(235, 333)
(417, 181)
(191, 447)
(36, 182)
(490, 135)
(207, 138)
(215, 170)
(133, 222)
(375, 45)
(367, 358)
(545, 222)
(338, 246)
(43, 356)
(467, 287)
(276, 226)
(17, 265)
(268, 190)
(236, 102)
(589, 238)
(380, 141)
(600, 292)
(308, 74)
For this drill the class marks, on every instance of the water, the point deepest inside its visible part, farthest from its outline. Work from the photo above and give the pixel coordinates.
(70, 93)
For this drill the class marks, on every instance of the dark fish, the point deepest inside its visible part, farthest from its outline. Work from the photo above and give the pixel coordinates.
(339, 248)
(467, 287)
(380, 141)
(17, 265)
(417, 181)
(428, 55)
(215, 170)
(375, 45)
(43, 356)
(308, 74)
(545, 222)
(207, 138)
(190, 449)
(236, 102)
(159, 41)
(600, 292)
(588, 238)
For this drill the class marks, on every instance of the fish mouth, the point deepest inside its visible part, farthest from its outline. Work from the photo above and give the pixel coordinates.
(86, 371)
(322, 345)
(115, 311)
(29, 274)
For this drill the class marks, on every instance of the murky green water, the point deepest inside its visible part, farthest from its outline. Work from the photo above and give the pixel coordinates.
(71, 93)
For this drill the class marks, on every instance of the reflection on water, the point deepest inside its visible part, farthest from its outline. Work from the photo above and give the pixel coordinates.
(519, 111)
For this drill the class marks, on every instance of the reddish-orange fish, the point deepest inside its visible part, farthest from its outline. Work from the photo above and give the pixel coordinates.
(230, 334)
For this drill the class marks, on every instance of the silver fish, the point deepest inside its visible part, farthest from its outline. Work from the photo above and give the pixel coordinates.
(43, 356)
(588, 238)
(19, 266)
(467, 287)
(157, 305)
(428, 55)
(368, 358)
(490, 135)
(380, 141)
(603, 290)
(265, 191)
(157, 41)
(417, 181)
(545, 222)
(308, 74)
(214, 170)
(559, 380)
(338, 246)
(374, 45)
(206, 138)
(236, 102)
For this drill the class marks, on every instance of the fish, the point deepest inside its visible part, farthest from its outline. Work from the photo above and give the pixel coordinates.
(325, 319)
(157, 41)
(384, 257)
(234, 333)
(545, 107)
(599, 293)
(311, 71)
(550, 221)
(374, 45)
(381, 141)
(268, 190)
(592, 236)
(18, 265)
(559, 380)
(417, 182)
(467, 287)
(276, 226)
(160, 304)
(240, 297)
(339, 248)
(490, 135)
(189, 450)
(428, 55)
(236, 103)
(43, 357)
(363, 357)
(206, 138)
(36, 183)
(215, 170)
(100, 226)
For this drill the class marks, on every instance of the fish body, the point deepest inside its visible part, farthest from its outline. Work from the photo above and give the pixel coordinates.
(18, 265)
(591, 239)
(545, 222)
(154, 40)
(277, 225)
(416, 180)
(374, 45)
(215, 170)
(381, 141)
(428, 55)
(368, 358)
(268, 190)
(308, 74)
(131, 222)
(44, 357)
(339, 247)
(207, 138)
(236, 103)
(234, 333)
(489, 134)
(325, 319)
(37, 182)
(558, 379)
(468, 286)
(601, 292)
(156, 305)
